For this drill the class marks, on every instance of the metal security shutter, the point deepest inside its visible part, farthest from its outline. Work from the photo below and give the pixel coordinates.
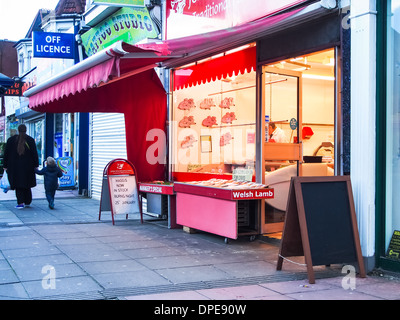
(108, 142)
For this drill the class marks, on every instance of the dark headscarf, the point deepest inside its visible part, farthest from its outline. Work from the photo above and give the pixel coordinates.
(21, 139)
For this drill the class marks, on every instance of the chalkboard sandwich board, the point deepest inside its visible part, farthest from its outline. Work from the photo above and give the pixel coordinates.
(321, 224)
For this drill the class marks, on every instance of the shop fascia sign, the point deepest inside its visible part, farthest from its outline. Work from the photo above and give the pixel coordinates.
(53, 45)
(190, 17)
(15, 90)
(130, 25)
(122, 3)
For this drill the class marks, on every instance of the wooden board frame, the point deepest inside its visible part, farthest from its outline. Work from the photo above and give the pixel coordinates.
(295, 237)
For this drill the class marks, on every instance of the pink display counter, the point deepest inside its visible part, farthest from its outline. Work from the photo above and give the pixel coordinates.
(229, 213)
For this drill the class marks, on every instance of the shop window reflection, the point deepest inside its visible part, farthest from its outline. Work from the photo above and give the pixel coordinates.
(214, 125)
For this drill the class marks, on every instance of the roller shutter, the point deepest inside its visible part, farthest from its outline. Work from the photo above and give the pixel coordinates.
(108, 142)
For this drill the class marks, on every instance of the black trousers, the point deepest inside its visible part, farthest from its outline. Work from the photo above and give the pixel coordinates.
(24, 195)
(50, 196)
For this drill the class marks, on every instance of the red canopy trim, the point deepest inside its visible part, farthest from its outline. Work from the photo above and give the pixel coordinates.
(142, 99)
(117, 62)
(219, 68)
(89, 79)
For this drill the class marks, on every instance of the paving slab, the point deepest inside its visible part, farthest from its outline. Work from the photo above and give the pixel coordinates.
(63, 286)
(180, 296)
(93, 259)
(332, 294)
(141, 278)
(193, 274)
(152, 252)
(32, 268)
(8, 276)
(21, 241)
(91, 252)
(239, 293)
(115, 266)
(247, 269)
(13, 291)
(33, 251)
(166, 262)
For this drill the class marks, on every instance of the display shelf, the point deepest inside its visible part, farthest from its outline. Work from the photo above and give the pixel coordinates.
(229, 213)
(225, 193)
(161, 200)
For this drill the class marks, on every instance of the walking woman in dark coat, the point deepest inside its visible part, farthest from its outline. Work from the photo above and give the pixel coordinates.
(20, 160)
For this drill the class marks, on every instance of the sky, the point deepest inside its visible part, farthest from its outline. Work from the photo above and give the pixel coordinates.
(16, 16)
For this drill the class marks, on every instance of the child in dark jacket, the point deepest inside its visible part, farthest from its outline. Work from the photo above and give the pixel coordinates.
(51, 174)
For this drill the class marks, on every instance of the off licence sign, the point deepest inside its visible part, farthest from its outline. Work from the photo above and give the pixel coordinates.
(53, 45)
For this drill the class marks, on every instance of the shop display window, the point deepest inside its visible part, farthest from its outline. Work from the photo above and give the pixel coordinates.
(214, 113)
(299, 99)
(214, 124)
(393, 128)
(38, 134)
(315, 99)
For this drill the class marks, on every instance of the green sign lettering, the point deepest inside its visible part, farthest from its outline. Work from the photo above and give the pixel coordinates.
(130, 25)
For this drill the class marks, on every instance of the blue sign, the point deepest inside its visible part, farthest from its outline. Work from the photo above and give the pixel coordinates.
(66, 164)
(53, 45)
(293, 124)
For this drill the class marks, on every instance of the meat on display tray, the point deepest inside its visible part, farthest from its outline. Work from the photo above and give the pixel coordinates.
(158, 188)
(225, 193)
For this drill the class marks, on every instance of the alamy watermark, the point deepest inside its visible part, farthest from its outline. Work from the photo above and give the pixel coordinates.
(346, 23)
(49, 280)
(349, 281)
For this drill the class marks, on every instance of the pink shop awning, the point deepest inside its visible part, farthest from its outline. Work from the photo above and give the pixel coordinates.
(124, 60)
(104, 67)
(122, 79)
(93, 77)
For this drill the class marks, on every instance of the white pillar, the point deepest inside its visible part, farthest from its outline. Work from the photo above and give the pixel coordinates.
(363, 120)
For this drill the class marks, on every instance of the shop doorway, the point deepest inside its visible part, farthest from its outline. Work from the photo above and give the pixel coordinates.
(298, 100)
(282, 151)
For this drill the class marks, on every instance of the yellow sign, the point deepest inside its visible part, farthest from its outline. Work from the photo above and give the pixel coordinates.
(394, 246)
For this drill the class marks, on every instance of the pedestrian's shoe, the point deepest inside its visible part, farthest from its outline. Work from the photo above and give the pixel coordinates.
(51, 205)
(20, 206)
(27, 205)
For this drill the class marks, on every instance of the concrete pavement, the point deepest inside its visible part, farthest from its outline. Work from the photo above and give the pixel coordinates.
(67, 253)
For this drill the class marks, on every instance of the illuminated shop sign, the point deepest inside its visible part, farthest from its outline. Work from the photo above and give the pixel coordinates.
(53, 45)
(190, 17)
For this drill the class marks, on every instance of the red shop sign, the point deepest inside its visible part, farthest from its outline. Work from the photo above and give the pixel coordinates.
(120, 167)
(190, 17)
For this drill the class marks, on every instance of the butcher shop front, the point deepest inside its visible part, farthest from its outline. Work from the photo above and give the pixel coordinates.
(247, 118)
(247, 108)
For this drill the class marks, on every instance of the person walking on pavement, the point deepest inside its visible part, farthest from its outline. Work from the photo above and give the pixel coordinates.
(20, 160)
(51, 173)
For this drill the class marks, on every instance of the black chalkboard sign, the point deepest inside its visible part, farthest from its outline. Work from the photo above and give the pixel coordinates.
(321, 223)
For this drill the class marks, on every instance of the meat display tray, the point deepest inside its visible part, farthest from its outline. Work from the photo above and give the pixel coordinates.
(224, 193)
